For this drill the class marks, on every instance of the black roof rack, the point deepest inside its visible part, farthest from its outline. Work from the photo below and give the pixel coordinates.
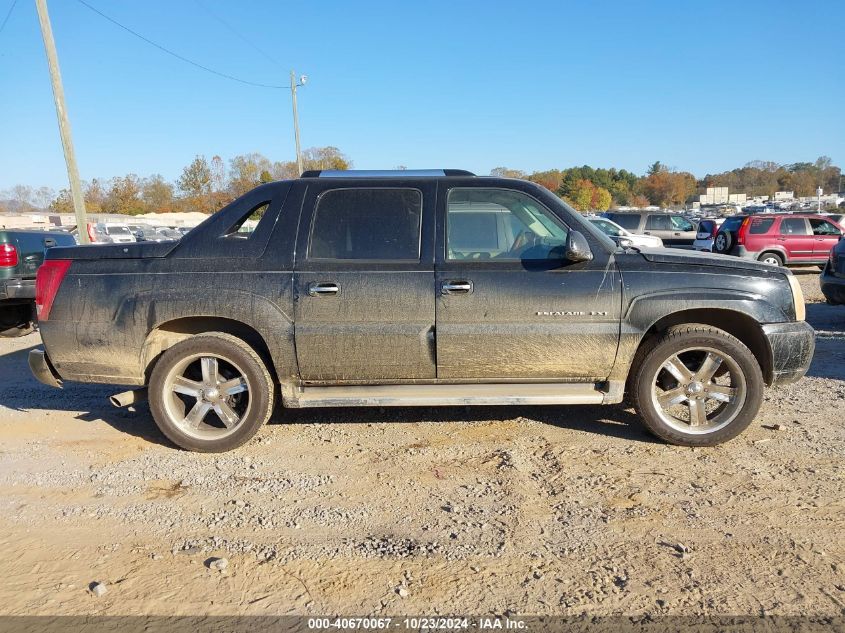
(384, 173)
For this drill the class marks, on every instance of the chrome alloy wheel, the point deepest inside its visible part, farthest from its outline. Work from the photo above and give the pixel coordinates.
(699, 390)
(206, 396)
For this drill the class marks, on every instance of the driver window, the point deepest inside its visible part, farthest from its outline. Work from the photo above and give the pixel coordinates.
(823, 227)
(501, 224)
(680, 223)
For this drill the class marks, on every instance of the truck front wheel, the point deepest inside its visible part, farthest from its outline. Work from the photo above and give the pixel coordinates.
(210, 393)
(697, 386)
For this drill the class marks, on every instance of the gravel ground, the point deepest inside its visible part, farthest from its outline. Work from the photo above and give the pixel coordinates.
(531, 510)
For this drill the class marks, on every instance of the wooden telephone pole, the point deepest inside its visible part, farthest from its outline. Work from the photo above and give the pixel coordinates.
(64, 124)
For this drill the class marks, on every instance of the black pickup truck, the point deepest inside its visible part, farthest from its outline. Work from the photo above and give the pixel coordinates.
(21, 253)
(416, 288)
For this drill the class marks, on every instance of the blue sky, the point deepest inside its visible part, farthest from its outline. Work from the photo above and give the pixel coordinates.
(701, 86)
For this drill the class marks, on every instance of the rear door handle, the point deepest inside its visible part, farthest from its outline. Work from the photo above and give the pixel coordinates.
(461, 287)
(323, 289)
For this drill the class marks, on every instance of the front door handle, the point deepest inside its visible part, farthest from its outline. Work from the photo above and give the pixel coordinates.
(456, 287)
(323, 289)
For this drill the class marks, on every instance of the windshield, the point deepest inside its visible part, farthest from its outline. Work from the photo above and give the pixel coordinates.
(117, 230)
(607, 228)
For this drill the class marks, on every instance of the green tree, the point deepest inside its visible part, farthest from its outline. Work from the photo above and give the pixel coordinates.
(62, 203)
(124, 196)
(506, 172)
(245, 172)
(157, 195)
(195, 181)
(668, 188)
(601, 199)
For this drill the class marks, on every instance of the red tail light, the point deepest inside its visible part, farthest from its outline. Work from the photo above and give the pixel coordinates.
(92, 234)
(8, 255)
(743, 231)
(715, 230)
(47, 281)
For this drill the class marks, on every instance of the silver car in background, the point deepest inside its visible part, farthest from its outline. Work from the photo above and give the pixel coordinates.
(616, 232)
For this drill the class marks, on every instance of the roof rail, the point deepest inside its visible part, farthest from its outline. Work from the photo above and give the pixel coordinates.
(384, 173)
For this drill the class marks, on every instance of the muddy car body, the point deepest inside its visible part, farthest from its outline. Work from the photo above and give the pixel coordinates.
(417, 288)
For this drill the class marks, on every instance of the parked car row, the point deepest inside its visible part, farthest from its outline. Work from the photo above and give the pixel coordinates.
(119, 233)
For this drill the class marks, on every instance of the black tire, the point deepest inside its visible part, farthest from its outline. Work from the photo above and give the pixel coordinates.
(774, 259)
(723, 242)
(16, 320)
(685, 339)
(242, 361)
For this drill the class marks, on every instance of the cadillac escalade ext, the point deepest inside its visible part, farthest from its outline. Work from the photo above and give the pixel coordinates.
(416, 288)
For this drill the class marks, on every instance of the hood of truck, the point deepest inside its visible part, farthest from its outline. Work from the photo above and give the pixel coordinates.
(698, 258)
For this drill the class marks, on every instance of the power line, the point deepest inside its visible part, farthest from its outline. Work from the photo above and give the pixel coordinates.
(8, 15)
(177, 55)
(237, 33)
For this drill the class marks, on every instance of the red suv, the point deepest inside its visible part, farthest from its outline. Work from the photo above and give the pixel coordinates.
(778, 239)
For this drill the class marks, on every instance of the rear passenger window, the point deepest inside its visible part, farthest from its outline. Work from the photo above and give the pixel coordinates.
(658, 223)
(759, 226)
(630, 221)
(793, 226)
(367, 224)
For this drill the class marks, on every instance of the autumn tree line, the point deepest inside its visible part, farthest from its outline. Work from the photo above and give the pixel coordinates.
(204, 185)
(208, 184)
(588, 188)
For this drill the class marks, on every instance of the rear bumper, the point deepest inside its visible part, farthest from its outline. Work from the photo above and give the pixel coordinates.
(792, 345)
(741, 251)
(42, 369)
(833, 287)
(17, 289)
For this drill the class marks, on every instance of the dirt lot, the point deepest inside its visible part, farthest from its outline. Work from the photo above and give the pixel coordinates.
(534, 510)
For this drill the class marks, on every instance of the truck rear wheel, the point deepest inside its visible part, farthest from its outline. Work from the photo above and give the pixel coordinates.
(697, 386)
(210, 393)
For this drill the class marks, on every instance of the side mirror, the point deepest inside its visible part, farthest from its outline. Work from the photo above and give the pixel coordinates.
(577, 248)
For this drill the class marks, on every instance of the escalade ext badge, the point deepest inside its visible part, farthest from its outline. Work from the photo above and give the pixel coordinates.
(561, 313)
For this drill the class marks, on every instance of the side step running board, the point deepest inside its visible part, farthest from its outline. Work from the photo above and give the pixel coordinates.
(448, 395)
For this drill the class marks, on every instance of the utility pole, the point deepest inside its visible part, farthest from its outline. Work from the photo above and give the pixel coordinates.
(64, 124)
(294, 84)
